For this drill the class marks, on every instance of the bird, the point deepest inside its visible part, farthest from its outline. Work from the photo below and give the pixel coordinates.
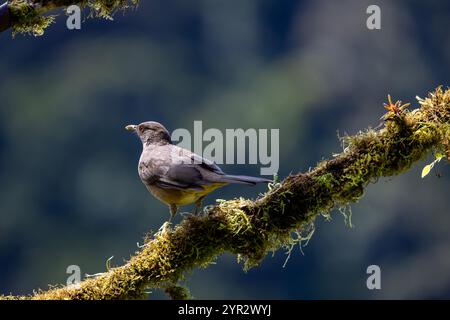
(177, 176)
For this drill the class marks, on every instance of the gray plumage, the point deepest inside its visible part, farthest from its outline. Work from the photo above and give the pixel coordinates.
(177, 176)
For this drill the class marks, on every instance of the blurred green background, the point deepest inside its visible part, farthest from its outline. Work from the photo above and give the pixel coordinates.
(69, 189)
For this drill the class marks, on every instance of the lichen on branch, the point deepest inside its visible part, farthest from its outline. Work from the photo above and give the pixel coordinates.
(32, 16)
(250, 229)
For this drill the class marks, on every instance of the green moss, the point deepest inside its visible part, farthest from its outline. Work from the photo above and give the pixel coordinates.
(178, 292)
(27, 19)
(32, 19)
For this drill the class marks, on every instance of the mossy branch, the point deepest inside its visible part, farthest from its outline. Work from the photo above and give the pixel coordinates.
(251, 229)
(31, 16)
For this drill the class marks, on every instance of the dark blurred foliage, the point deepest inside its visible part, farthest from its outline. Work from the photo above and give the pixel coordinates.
(69, 190)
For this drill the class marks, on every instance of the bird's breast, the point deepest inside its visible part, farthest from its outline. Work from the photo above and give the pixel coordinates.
(180, 197)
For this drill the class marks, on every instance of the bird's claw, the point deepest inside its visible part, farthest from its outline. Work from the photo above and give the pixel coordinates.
(140, 246)
(165, 227)
(186, 213)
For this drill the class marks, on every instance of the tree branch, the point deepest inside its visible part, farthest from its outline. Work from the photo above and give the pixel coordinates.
(251, 229)
(30, 16)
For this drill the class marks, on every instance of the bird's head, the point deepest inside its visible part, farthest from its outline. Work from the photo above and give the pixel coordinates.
(151, 132)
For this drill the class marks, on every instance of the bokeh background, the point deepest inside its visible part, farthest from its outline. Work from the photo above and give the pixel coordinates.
(69, 189)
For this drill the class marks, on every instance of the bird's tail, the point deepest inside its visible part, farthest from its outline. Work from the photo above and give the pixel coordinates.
(243, 179)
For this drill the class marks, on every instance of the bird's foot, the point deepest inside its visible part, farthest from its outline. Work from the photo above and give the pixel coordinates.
(207, 209)
(197, 210)
(186, 213)
(198, 206)
(140, 246)
(165, 227)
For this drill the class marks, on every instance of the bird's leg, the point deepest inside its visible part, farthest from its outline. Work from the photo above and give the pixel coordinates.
(198, 205)
(173, 211)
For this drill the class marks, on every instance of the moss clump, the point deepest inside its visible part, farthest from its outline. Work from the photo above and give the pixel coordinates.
(435, 111)
(178, 292)
(107, 8)
(26, 18)
(31, 18)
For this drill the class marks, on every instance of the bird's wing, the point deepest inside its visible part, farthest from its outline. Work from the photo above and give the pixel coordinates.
(206, 164)
(172, 167)
(183, 176)
(183, 156)
(178, 176)
(193, 176)
(192, 171)
(171, 184)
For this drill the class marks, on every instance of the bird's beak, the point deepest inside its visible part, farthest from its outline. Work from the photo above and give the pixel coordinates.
(131, 127)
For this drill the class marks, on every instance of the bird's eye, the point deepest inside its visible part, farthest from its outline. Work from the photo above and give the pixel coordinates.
(144, 129)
